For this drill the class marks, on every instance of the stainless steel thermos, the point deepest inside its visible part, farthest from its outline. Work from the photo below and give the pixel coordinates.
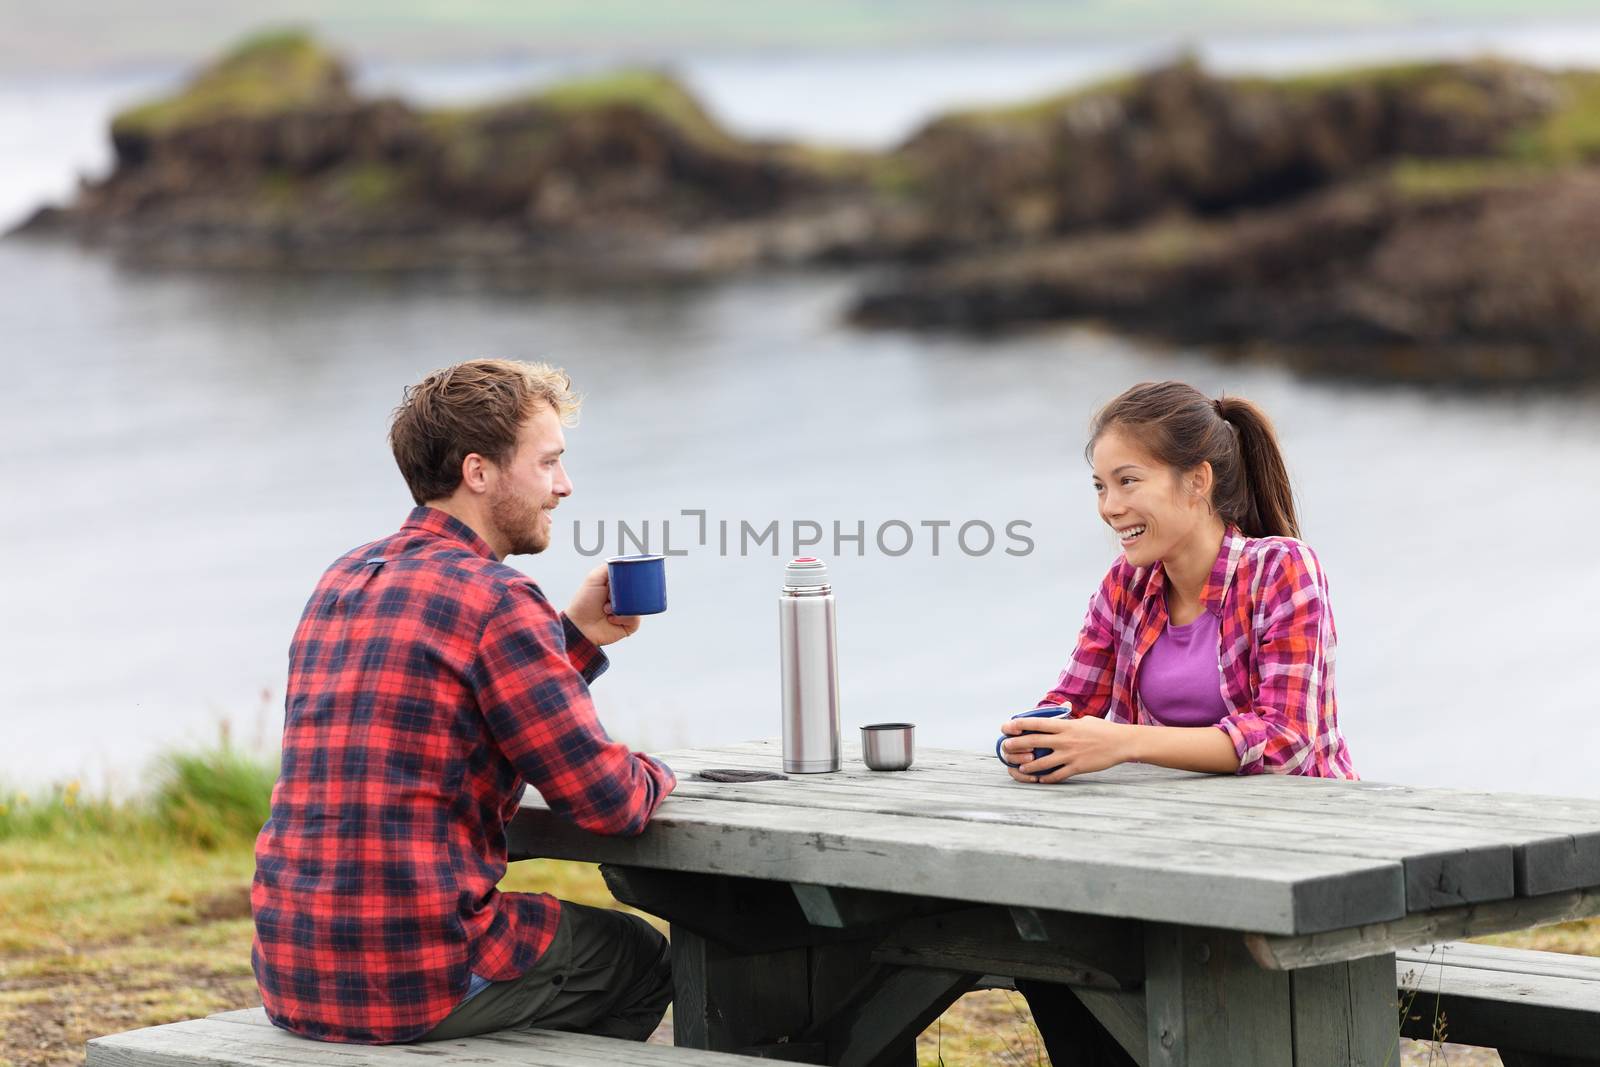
(810, 666)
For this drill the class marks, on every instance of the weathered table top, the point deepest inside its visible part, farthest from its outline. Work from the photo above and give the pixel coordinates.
(1269, 855)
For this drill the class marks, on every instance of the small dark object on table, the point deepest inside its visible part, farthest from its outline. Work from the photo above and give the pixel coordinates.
(742, 776)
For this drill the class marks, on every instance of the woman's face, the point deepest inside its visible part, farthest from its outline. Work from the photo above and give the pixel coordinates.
(1152, 508)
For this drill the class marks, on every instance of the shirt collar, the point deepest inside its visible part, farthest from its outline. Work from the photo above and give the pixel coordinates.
(1217, 583)
(440, 524)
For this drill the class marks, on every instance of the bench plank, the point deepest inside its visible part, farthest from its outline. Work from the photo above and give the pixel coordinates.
(1485, 1000)
(1510, 960)
(248, 1043)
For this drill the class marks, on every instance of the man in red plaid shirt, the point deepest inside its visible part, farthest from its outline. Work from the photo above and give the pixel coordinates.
(429, 684)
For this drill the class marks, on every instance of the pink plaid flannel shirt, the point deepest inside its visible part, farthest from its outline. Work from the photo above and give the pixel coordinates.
(1275, 656)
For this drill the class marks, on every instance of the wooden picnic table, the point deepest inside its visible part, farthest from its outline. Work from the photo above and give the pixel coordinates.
(1203, 919)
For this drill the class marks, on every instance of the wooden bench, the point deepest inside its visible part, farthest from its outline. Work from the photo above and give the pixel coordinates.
(246, 1038)
(1539, 1009)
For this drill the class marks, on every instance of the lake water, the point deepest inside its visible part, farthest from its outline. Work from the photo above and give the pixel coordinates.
(188, 451)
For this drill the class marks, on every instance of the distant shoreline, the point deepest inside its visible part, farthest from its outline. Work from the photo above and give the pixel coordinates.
(81, 36)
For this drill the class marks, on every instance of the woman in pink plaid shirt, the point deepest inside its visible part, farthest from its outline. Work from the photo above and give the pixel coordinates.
(1209, 646)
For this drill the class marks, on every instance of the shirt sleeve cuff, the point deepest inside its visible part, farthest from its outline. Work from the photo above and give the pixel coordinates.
(1243, 743)
(666, 775)
(584, 655)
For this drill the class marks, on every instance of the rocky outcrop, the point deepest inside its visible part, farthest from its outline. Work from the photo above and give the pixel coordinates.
(1177, 139)
(1426, 222)
(548, 165)
(268, 158)
(1365, 281)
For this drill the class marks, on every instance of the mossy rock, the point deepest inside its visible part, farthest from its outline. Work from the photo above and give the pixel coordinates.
(264, 75)
(652, 91)
(1038, 110)
(1570, 133)
(1448, 179)
(1384, 76)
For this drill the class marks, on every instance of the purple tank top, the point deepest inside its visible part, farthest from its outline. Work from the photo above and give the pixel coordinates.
(1180, 681)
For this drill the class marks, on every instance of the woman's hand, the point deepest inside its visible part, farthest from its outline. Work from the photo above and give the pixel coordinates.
(1077, 746)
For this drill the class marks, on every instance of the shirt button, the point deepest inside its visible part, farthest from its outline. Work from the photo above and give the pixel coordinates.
(558, 979)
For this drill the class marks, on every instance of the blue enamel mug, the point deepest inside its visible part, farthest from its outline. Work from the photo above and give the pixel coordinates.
(1049, 711)
(638, 584)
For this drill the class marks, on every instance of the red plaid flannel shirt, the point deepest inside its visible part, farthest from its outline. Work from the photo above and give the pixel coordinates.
(429, 684)
(1275, 654)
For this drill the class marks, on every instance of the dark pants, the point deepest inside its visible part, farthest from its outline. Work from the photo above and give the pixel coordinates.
(606, 972)
(1072, 1035)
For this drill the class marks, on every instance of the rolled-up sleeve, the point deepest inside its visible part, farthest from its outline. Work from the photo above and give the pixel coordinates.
(1293, 630)
(533, 691)
(1086, 682)
(584, 655)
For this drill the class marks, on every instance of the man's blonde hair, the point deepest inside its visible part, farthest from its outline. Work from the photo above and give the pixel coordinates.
(476, 406)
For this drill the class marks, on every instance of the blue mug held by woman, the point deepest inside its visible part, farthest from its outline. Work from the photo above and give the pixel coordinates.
(1048, 711)
(638, 584)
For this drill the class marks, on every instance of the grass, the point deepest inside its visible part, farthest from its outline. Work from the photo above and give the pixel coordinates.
(484, 143)
(653, 91)
(1028, 112)
(1570, 134)
(371, 186)
(120, 915)
(265, 74)
(1382, 75)
(205, 799)
(648, 90)
(1423, 179)
(211, 798)
(1396, 75)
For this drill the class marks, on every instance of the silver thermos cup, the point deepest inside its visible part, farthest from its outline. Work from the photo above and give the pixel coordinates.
(810, 667)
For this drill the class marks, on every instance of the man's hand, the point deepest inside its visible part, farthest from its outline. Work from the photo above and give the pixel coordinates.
(590, 610)
(1077, 746)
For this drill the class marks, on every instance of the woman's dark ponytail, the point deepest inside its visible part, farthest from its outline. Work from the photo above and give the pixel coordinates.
(1181, 427)
(1265, 504)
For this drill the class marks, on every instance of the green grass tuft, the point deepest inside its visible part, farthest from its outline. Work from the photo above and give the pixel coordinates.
(63, 813)
(1570, 134)
(263, 75)
(368, 186)
(211, 799)
(649, 90)
(1029, 112)
(1381, 76)
(1425, 179)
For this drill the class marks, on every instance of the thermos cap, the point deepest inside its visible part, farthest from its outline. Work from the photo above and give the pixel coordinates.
(807, 572)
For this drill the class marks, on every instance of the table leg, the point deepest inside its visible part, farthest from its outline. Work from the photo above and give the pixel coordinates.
(869, 1015)
(724, 999)
(1208, 1002)
(1347, 1013)
(838, 1007)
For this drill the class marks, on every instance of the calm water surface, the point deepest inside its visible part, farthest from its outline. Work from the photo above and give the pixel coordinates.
(187, 452)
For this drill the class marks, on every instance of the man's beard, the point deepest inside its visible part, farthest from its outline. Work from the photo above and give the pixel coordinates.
(518, 521)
